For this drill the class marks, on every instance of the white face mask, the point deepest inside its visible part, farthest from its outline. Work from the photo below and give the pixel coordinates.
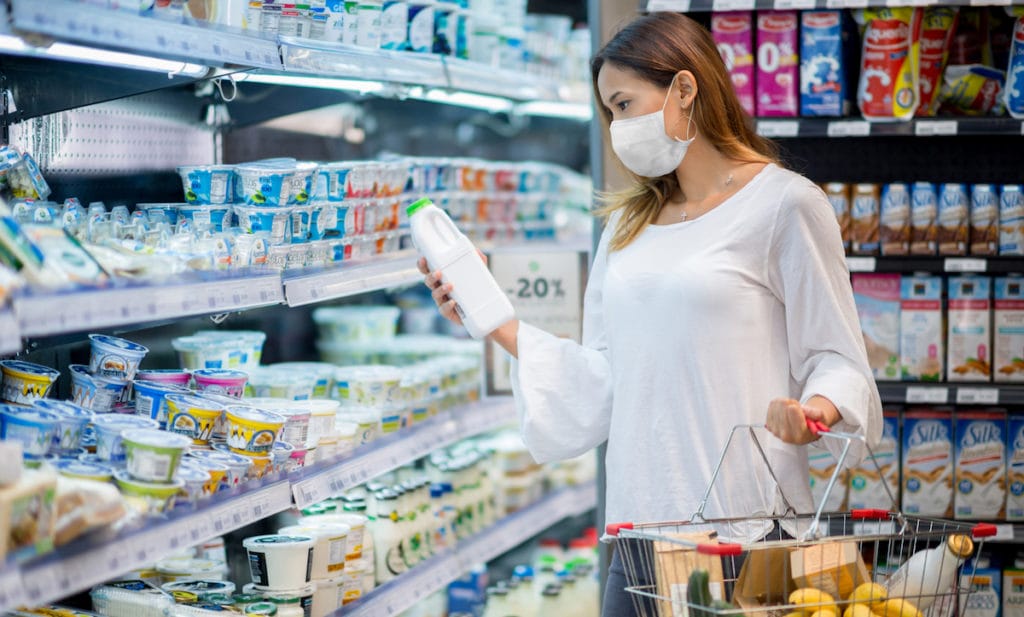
(643, 146)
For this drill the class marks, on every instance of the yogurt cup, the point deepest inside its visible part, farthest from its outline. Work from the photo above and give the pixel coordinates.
(376, 386)
(332, 181)
(297, 458)
(237, 465)
(367, 421)
(147, 497)
(252, 431)
(109, 445)
(114, 358)
(275, 222)
(260, 608)
(323, 415)
(192, 416)
(220, 427)
(200, 589)
(34, 428)
(263, 184)
(327, 598)
(291, 385)
(280, 562)
(296, 418)
(280, 454)
(151, 398)
(208, 184)
(323, 371)
(153, 455)
(196, 352)
(73, 468)
(25, 382)
(348, 433)
(302, 220)
(357, 528)
(156, 212)
(348, 324)
(216, 471)
(174, 376)
(209, 217)
(196, 480)
(221, 381)
(303, 183)
(72, 422)
(289, 602)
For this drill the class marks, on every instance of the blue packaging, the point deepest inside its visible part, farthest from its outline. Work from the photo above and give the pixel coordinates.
(1015, 72)
(394, 25)
(421, 26)
(469, 593)
(822, 65)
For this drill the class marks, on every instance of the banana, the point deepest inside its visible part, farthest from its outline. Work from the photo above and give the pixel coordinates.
(871, 594)
(825, 612)
(795, 614)
(809, 601)
(858, 610)
(898, 607)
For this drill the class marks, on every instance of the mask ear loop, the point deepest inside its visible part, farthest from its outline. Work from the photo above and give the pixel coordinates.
(689, 122)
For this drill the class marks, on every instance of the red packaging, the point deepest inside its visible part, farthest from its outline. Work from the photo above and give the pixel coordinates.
(734, 35)
(889, 65)
(938, 25)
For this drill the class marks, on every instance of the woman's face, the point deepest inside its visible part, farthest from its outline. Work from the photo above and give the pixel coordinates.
(626, 95)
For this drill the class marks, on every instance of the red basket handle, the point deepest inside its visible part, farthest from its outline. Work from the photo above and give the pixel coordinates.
(613, 529)
(723, 549)
(984, 530)
(874, 514)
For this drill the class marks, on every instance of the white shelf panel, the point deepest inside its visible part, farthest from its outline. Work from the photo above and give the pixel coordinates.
(391, 452)
(516, 85)
(10, 342)
(352, 278)
(430, 576)
(335, 60)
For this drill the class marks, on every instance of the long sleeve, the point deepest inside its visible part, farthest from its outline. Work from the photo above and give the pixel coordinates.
(563, 390)
(808, 273)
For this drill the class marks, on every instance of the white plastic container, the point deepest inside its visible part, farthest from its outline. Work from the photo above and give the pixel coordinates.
(329, 549)
(356, 533)
(280, 562)
(929, 572)
(480, 302)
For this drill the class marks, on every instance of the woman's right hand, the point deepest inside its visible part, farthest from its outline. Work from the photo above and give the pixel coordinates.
(439, 290)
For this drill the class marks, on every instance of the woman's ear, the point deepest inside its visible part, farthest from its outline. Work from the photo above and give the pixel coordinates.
(686, 88)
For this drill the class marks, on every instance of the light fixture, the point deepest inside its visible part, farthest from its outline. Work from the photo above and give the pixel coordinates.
(486, 102)
(556, 109)
(307, 81)
(91, 55)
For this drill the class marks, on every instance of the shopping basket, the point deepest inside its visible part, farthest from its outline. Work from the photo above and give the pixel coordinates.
(835, 553)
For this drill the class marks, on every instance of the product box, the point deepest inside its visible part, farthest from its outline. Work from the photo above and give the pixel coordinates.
(838, 194)
(980, 465)
(822, 466)
(928, 463)
(969, 341)
(986, 585)
(765, 581)
(984, 220)
(674, 562)
(1013, 592)
(1015, 472)
(822, 64)
(924, 212)
(28, 515)
(878, 305)
(778, 65)
(468, 593)
(938, 26)
(1008, 330)
(866, 480)
(921, 352)
(1011, 219)
(836, 568)
(733, 33)
(888, 88)
(953, 218)
(864, 219)
(894, 219)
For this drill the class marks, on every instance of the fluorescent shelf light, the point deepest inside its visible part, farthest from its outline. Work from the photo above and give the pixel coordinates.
(556, 109)
(104, 57)
(306, 81)
(493, 104)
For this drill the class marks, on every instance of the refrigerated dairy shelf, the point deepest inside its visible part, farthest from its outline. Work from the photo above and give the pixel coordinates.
(426, 578)
(10, 332)
(683, 6)
(393, 270)
(856, 127)
(951, 393)
(936, 265)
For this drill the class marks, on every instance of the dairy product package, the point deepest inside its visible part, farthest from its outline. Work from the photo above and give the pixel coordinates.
(980, 465)
(928, 463)
(866, 485)
(969, 340)
(938, 25)
(984, 216)
(1011, 220)
(1015, 472)
(921, 353)
(734, 35)
(924, 212)
(986, 585)
(1013, 591)
(778, 79)
(822, 64)
(864, 213)
(888, 85)
(1014, 92)
(953, 217)
(972, 90)
(822, 466)
(878, 305)
(894, 219)
(1008, 330)
(838, 194)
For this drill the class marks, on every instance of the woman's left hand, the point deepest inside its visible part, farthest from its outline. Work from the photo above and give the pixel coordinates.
(788, 419)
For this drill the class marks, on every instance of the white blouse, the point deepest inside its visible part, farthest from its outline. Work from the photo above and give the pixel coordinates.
(690, 330)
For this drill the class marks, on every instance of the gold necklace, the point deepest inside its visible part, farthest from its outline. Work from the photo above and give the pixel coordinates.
(728, 181)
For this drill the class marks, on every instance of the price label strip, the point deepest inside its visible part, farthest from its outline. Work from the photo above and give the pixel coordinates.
(926, 394)
(924, 128)
(12, 589)
(965, 264)
(849, 128)
(861, 264)
(977, 396)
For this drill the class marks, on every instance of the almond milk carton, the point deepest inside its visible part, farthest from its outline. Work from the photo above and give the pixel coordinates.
(1008, 331)
(1013, 589)
(970, 329)
(928, 463)
(878, 305)
(980, 465)
(921, 353)
(1015, 474)
(866, 480)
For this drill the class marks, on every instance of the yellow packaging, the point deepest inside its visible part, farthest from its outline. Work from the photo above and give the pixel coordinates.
(889, 72)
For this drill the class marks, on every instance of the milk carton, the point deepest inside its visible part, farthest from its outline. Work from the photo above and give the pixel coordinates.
(838, 194)
(924, 204)
(1008, 330)
(970, 338)
(1013, 590)
(980, 465)
(921, 352)
(822, 66)
(894, 219)
(1015, 472)
(864, 219)
(1011, 220)
(866, 485)
(986, 585)
(954, 212)
(928, 463)
(878, 305)
(778, 78)
(822, 466)
(734, 36)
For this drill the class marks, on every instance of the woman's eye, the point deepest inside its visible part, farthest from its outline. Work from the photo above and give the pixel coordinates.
(622, 105)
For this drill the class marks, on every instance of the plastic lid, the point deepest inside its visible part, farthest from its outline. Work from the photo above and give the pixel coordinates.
(418, 205)
(580, 543)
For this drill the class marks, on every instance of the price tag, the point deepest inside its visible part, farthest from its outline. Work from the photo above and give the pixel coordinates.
(307, 492)
(977, 396)
(849, 128)
(925, 394)
(861, 264)
(12, 591)
(780, 128)
(1004, 532)
(1022, 128)
(733, 5)
(924, 128)
(678, 6)
(874, 528)
(965, 264)
(782, 5)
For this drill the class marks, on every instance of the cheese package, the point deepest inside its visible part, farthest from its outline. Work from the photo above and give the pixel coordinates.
(980, 465)
(1015, 470)
(889, 64)
(969, 341)
(27, 514)
(894, 219)
(878, 305)
(733, 33)
(928, 463)
(1008, 330)
(778, 67)
(822, 466)
(921, 353)
(868, 480)
(937, 28)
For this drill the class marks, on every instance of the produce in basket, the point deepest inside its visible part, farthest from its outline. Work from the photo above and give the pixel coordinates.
(698, 593)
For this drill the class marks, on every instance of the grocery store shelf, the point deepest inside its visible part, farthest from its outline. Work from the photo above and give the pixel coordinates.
(319, 483)
(351, 278)
(10, 332)
(682, 6)
(335, 60)
(476, 77)
(408, 589)
(936, 265)
(858, 127)
(201, 293)
(951, 394)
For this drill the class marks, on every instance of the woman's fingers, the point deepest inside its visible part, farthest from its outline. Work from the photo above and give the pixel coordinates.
(448, 312)
(421, 263)
(440, 293)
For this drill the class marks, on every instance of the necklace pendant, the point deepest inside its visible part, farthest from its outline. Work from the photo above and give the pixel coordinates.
(682, 217)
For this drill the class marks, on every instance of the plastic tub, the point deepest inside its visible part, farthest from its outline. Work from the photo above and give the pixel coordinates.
(252, 431)
(154, 212)
(237, 465)
(71, 424)
(186, 568)
(280, 454)
(198, 590)
(323, 371)
(392, 418)
(261, 467)
(303, 183)
(147, 497)
(366, 419)
(114, 358)
(330, 543)
(348, 437)
(356, 323)
(212, 217)
(196, 480)
(216, 471)
(153, 455)
(323, 415)
(289, 602)
(327, 598)
(357, 529)
(174, 376)
(221, 381)
(109, 427)
(297, 458)
(276, 222)
(263, 184)
(94, 393)
(25, 382)
(33, 428)
(220, 427)
(72, 468)
(376, 386)
(291, 385)
(279, 562)
(237, 349)
(296, 418)
(192, 416)
(208, 184)
(151, 398)
(302, 219)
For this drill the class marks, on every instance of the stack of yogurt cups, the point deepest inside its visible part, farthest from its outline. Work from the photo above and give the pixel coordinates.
(328, 522)
(281, 568)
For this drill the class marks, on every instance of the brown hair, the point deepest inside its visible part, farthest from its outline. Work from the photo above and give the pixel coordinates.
(656, 47)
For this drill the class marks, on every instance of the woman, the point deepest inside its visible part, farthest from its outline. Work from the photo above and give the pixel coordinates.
(718, 296)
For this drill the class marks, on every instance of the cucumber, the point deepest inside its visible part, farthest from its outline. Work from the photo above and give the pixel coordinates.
(698, 593)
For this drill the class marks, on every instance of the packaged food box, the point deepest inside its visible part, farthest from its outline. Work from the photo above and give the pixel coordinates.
(868, 479)
(924, 212)
(1008, 330)
(921, 353)
(838, 194)
(778, 67)
(864, 219)
(953, 219)
(878, 306)
(1012, 604)
(969, 341)
(1011, 220)
(986, 585)
(823, 89)
(984, 217)
(928, 463)
(980, 465)
(1015, 472)
(733, 33)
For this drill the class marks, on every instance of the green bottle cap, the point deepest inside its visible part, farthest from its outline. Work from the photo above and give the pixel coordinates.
(415, 206)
